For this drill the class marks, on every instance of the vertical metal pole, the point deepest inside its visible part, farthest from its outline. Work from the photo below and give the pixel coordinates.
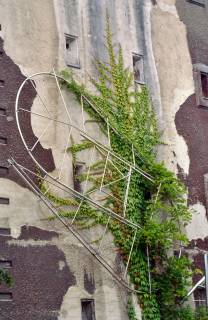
(206, 277)
(127, 192)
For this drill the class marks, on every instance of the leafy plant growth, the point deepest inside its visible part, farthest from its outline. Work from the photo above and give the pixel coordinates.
(162, 214)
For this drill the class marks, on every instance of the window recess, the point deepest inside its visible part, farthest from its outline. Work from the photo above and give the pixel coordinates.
(138, 68)
(6, 296)
(4, 171)
(5, 264)
(2, 112)
(200, 3)
(5, 232)
(88, 309)
(3, 140)
(4, 200)
(72, 51)
(201, 84)
(78, 169)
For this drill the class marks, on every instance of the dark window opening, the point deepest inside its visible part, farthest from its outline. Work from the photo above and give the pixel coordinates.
(200, 297)
(4, 171)
(2, 112)
(88, 309)
(0, 27)
(204, 84)
(138, 68)
(200, 3)
(2, 83)
(6, 296)
(5, 232)
(72, 51)
(3, 140)
(4, 264)
(4, 200)
(78, 169)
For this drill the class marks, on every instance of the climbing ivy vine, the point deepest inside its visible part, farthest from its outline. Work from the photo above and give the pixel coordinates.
(162, 215)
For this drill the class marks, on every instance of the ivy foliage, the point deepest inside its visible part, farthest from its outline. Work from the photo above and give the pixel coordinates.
(161, 214)
(5, 278)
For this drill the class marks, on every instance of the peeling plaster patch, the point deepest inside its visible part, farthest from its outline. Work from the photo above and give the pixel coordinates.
(170, 8)
(176, 80)
(71, 306)
(199, 224)
(27, 243)
(182, 157)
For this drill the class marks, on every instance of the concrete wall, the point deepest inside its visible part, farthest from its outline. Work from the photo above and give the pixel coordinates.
(171, 35)
(52, 272)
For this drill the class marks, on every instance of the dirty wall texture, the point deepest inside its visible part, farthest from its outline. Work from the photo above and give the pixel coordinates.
(51, 271)
(179, 39)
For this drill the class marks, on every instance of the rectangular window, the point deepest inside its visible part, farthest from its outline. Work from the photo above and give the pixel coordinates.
(78, 168)
(88, 309)
(4, 264)
(72, 51)
(201, 84)
(5, 232)
(6, 296)
(200, 3)
(4, 171)
(3, 140)
(4, 200)
(138, 68)
(2, 112)
(204, 84)
(2, 83)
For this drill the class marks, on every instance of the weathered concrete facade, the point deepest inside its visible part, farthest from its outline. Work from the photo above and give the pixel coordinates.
(51, 271)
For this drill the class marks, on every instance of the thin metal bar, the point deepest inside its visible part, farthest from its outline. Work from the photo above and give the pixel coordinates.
(108, 130)
(42, 134)
(157, 195)
(111, 161)
(149, 273)
(112, 182)
(127, 265)
(108, 194)
(88, 171)
(133, 155)
(82, 133)
(83, 119)
(101, 241)
(103, 175)
(62, 97)
(82, 196)
(206, 277)
(65, 151)
(44, 104)
(74, 217)
(202, 280)
(72, 230)
(127, 192)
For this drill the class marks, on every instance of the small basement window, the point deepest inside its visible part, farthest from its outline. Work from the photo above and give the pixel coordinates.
(72, 51)
(88, 309)
(200, 3)
(3, 171)
(2, 112)
(201, 84)
(4, 200)
(3, 140)
(78, 169)
(4, 264)
(2, 83)
(138, 68)
(5, 232)
(6, 296)
(204, 84)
